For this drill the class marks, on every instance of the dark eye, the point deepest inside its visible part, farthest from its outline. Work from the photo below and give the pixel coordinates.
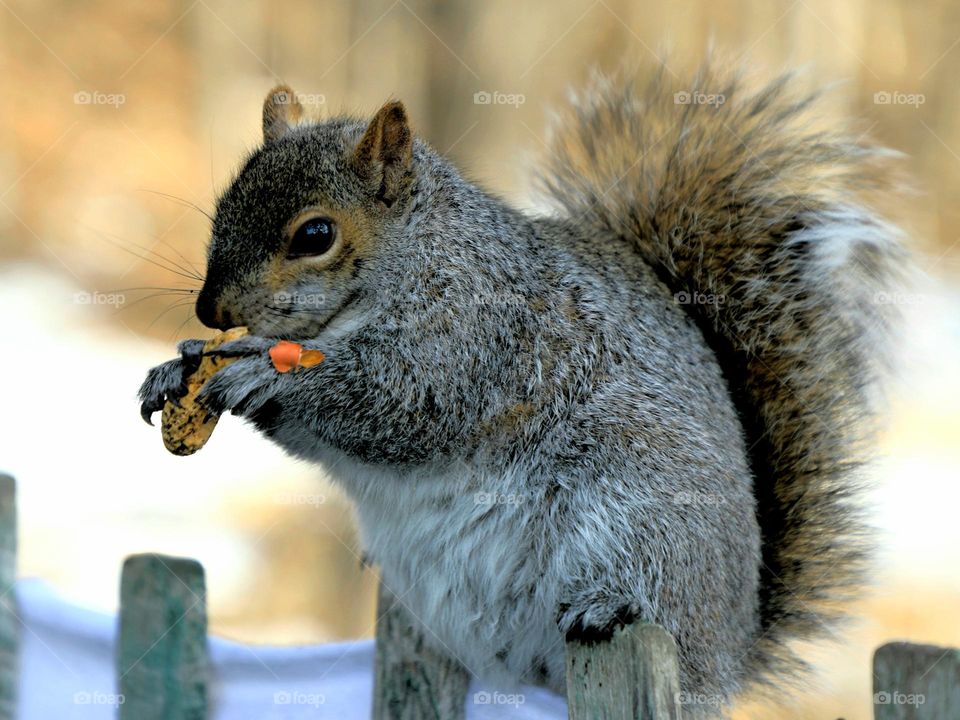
(314, 237)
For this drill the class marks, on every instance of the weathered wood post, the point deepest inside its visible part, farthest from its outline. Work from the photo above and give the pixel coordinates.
(163, 663)
(9, 624)
(916, 682)
(633, 676)
(411, 680)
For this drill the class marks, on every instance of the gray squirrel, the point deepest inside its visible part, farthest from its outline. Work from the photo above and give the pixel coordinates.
(652, 404)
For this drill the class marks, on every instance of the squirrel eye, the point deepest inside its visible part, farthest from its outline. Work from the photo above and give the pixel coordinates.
(314, 237)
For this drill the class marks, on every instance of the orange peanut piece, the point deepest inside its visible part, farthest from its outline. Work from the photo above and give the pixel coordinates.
(287, 356)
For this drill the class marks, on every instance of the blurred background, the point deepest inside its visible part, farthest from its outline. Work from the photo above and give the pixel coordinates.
(121, 124)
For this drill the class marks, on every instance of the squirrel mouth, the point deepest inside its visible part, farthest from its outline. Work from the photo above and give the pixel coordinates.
(292, 323)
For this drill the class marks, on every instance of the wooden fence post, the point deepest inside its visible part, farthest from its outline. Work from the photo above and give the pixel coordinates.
(633, 676)
(916, 682)
(411, 680)
(163, 662)
(9, 624)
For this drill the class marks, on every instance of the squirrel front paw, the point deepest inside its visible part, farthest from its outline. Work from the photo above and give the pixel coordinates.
(595, 619)
(242, 388)
(168, 381)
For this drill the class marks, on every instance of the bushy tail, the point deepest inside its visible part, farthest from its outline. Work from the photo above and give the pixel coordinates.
(765, 223)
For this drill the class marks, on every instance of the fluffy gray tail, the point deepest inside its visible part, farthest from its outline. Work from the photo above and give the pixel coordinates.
(764, 223)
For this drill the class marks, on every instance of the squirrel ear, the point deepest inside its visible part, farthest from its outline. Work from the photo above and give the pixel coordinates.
(281, 111)
(384, 154)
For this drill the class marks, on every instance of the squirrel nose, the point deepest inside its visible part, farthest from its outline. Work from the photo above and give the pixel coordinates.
(210, 314)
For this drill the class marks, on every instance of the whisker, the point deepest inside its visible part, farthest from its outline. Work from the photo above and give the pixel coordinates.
(125, 306)
(180, 327)
(181, 201)
(184, 290)
(289, 310)
(182, 257)
(272, 323)
(146, 258)
(213, 189)
(180, 270)
(172, 307)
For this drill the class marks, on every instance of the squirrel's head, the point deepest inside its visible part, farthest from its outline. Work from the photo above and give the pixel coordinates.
(294, 231)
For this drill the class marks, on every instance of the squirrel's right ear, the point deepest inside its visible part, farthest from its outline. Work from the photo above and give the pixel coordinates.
(384, 155)
(281, 112)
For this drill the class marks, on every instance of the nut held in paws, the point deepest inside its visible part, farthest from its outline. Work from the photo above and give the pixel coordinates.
(186, 424)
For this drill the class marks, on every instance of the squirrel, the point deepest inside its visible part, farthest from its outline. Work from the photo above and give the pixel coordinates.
(651, 404)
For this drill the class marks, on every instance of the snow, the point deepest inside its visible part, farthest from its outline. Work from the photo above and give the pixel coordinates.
(67, 671)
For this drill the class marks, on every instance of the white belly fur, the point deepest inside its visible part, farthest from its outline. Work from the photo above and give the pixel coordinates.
(457, 549)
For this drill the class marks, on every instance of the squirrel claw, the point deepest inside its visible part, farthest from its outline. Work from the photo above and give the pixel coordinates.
(163, 382)
(146, 412)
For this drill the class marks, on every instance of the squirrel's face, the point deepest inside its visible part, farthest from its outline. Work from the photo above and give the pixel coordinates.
(293, 234)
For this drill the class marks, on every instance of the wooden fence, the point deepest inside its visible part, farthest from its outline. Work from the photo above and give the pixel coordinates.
(163, 666)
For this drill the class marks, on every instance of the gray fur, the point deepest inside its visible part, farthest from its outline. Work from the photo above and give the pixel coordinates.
(539, 438)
